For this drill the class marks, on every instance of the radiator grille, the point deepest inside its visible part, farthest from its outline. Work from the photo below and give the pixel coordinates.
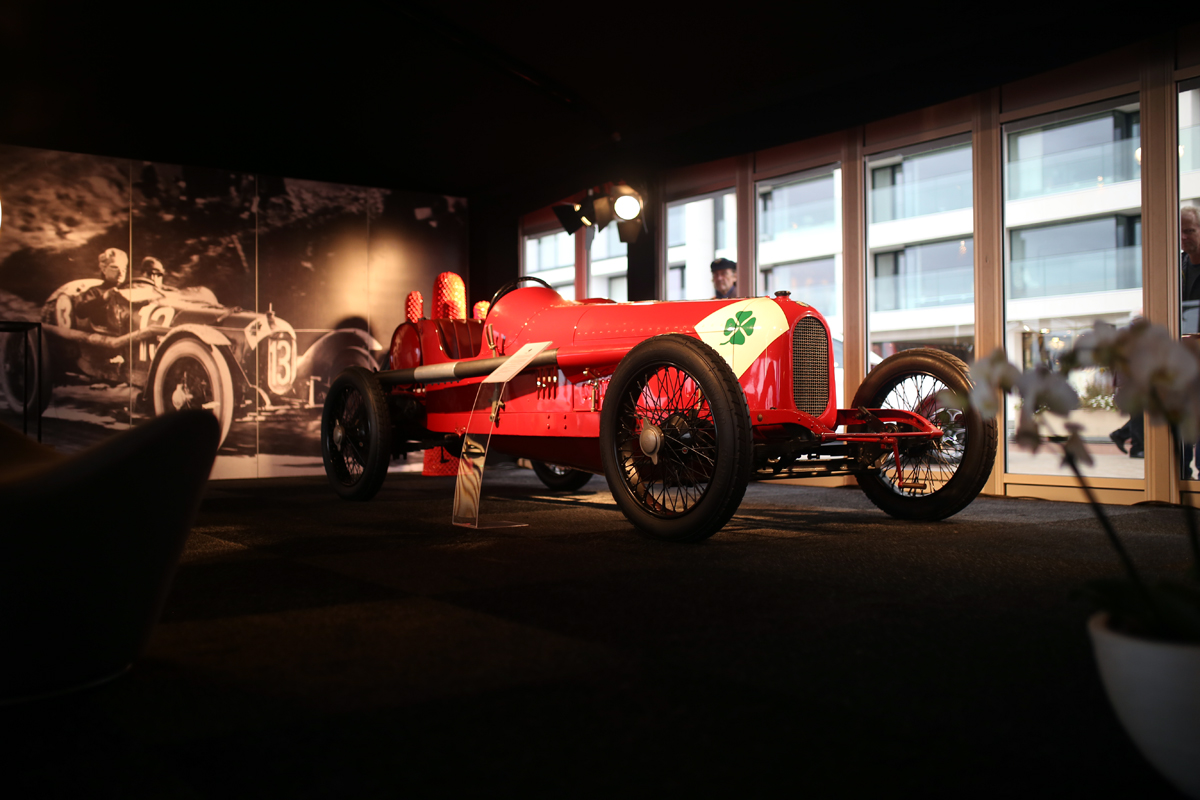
(810, 366)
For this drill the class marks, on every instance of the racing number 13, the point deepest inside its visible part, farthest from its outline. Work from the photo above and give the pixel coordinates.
(279, 365)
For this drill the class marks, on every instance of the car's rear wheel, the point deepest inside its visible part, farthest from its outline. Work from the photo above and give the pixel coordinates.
(19, 376)
(675, 439)
(559, 478)
(939, 477)
(192, 374)
(356, 434)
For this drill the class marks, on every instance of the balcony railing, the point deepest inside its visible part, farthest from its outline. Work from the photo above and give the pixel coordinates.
(943, 287)
(781, 220)
(918, 198)
(1077, 273)
(1071, 170)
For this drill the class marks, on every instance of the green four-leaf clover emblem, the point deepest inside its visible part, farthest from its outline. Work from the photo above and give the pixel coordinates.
(739, 326)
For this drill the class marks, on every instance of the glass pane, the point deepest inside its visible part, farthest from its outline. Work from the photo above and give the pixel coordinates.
(1073, 255)
(1189, 230)
(607, 264)
(799, 244)
(921, 250)
(699, 231)
(551, 257)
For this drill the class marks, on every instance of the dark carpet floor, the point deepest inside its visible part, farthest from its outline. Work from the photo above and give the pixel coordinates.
(815, 647)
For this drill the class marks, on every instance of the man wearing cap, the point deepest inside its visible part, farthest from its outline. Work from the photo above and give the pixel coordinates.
(724, 278)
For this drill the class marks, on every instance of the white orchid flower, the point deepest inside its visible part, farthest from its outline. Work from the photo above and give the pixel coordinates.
(1040, 388)
(992, 375)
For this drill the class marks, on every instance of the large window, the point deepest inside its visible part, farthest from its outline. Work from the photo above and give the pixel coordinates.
(799, 243)
(1073, 255)
(699, 231)
(920, 249)
(608, 266)
(551, 257)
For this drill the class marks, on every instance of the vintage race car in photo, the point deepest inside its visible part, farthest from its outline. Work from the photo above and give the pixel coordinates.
(678, 404)
(179, 348)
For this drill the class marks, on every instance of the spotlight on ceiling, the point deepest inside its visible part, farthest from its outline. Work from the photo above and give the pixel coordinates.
(622, 204)
(603, 207)
(627, 208)
(627, 203)
(570, 215)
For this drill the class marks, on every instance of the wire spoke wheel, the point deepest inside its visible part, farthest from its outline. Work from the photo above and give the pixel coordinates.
(936, 478)
(193, 375)
(675, 436)
(356, 435)
(929, 466)
(666, 398)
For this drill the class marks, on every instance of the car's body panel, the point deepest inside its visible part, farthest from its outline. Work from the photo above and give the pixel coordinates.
(591, 339)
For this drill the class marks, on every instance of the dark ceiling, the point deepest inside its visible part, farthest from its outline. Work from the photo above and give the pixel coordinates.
(520, 104)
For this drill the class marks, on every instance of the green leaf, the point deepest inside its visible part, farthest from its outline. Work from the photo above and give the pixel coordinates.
(737, 338)
(730, 326)
(742, 316)
(749, 326)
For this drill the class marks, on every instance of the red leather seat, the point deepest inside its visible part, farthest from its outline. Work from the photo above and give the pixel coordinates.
(460, 338)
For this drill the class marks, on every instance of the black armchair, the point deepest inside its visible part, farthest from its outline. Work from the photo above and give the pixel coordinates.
(88, 547)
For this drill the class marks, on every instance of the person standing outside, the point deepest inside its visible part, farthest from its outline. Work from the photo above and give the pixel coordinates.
(1189, 258)
(1189, 294)
(724, 278)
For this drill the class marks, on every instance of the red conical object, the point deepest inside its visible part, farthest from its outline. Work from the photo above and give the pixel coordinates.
(449, 297)
(414, 306)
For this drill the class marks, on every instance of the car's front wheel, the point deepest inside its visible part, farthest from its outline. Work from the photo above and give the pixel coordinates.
(192, 374)
(675, 438)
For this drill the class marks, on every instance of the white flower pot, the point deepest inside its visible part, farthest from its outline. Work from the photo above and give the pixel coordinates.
(1155, 689)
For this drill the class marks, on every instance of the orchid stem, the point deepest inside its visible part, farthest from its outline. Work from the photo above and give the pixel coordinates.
(1189, 514)
(1111, 533)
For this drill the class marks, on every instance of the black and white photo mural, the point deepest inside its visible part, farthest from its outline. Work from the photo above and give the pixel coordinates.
(161, 287)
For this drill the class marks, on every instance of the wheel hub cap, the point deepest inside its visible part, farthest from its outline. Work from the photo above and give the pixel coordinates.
(339, 434)
(651, 439)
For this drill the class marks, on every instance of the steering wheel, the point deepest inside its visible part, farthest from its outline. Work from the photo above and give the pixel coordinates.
(508, 287)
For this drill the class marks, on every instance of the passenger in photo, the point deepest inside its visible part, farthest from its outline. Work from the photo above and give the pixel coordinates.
(92, 304)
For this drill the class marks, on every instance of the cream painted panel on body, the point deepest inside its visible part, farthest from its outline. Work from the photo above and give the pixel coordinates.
(741, 331)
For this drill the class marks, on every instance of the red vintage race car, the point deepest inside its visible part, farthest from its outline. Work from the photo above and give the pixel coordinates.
(678, 404)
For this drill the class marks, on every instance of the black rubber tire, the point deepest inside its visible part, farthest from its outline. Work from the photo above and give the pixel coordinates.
(15, 382)
(694, 489)
(192, 374)
(560, 479)
(356, 459)
(954, 469)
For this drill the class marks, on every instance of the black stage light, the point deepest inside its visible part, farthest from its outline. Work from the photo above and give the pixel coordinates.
(587, 210)
(627, 203)
(603, 208)
(569, 214)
